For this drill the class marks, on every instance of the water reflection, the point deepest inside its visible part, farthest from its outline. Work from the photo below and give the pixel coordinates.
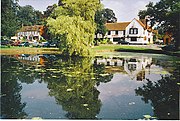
(136, 68)
(11, 105)
(74, 82)
(163, 95)
(74, 87)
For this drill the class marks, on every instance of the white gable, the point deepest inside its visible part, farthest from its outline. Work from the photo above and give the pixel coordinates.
(135, 24)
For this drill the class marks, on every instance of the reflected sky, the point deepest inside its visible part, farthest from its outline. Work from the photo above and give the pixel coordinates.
(40, 104)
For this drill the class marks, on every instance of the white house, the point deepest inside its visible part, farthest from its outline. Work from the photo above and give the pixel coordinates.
(30, 33)
(134, 32)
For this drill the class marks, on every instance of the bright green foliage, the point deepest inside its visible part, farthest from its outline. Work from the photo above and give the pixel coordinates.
(73, 24)
(75, 39)
(84, 8)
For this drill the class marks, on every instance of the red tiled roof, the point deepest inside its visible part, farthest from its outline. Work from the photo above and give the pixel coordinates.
(117, 26)
(30, 28)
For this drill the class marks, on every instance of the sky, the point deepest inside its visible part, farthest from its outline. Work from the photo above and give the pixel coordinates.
(125, 10)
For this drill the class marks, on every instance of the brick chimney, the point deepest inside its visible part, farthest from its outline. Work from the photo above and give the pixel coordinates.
(144, 21)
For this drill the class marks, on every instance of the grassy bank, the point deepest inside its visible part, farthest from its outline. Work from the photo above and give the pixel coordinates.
(127, 48)
(28, 50)
(97, 50)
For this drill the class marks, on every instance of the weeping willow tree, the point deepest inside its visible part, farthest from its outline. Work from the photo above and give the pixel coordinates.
(73, 25)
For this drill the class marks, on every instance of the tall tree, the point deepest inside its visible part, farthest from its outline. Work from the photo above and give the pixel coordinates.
(73, 23)
(167, 14)
(104, 16)
(49, 10)
(109, 15)
(8, 18)
(27, 15)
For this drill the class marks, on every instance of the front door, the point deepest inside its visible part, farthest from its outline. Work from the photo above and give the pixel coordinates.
(133, 38)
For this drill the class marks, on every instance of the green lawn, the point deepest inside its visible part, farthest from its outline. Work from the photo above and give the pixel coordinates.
(97, 50)
(27, 50)
(131, 48)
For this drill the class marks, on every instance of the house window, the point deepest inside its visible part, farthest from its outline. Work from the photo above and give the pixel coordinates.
(116, 32)
(109, 32)
(133, 38)
(116, 39)
(133, 31)
(124, 32)
(131, 67)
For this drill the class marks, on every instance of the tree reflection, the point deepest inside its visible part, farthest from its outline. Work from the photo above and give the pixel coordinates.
(164, 96)
(11, 106)
(73, 86)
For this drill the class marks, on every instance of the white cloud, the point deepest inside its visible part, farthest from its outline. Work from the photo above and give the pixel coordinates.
(126, 10)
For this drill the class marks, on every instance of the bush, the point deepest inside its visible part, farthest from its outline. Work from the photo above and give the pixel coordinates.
(105, 41)
(110, 42)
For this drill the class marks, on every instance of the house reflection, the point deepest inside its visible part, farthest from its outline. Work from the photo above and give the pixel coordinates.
(136, 68)
(34, 60)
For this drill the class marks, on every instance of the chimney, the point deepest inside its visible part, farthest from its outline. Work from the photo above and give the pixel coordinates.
(144, 21)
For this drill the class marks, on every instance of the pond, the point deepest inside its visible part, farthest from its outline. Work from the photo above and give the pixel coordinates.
(119, 86)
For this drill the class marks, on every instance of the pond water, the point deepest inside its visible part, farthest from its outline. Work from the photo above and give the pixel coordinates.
(119, 86)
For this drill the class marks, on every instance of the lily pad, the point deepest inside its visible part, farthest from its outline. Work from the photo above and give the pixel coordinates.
(85, 105)
(103, 74)
(147, 116)
(51, 69)
(69, 90)
(82, 96)
(37, 69)
(36, 118)
(54, 76)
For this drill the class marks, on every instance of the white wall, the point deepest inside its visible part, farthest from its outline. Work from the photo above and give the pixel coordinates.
(140, 36)
(114, 35)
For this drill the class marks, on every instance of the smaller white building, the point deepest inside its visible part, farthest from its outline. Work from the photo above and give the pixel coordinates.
(31, 33)
(134, 32)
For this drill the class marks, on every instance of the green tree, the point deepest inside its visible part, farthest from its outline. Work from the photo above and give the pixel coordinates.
(27, 15)
(167, 14)
(101, 17)
(109, 15)
(49, 10)
(8, 17)
(73, 24)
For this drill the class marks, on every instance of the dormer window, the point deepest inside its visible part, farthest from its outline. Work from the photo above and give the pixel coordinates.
(133, 31)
